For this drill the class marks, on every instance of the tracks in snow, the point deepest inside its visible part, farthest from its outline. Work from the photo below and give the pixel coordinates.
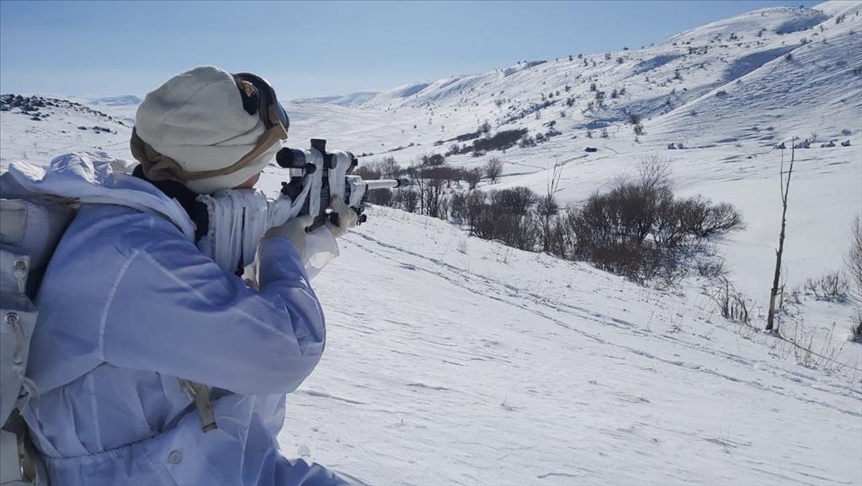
(567, 315)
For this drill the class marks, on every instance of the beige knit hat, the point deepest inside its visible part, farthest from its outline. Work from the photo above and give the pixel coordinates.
(194, 129)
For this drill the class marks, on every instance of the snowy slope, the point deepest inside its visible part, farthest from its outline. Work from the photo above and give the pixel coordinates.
(453, 360)
(41, 133)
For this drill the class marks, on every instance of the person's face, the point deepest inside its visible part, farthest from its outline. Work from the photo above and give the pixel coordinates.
(249, 184)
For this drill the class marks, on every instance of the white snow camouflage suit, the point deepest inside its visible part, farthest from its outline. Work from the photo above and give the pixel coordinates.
(129, 304)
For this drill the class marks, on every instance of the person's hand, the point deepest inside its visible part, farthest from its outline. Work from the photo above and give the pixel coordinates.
(347, 218)
(294, 231)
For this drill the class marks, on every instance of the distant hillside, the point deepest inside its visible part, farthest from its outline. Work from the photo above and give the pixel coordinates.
(774, 58)
(715, 101)
(353, 99)
(127, 100)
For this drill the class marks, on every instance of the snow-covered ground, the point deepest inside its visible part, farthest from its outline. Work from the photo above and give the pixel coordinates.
(453, 360)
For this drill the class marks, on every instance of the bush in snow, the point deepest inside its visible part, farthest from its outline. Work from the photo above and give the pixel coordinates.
(639, 229)
(493, 169)
(831, 287)
(387, 168)
(856, 330)
(732, 305)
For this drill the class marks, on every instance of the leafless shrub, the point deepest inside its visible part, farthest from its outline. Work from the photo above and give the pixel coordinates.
(511, 229)
(637, 228)
(702, 218)
(831, 287)
(474, 206)
(561, 238)
(856, 328)
(732, 304)
(654, 171)
(458, 207)
(517, 200)
(711, 268)
(406, 199)
(472, 177)
(380, 197)
(485, 128)
(493, 169)
(834, 287)
(802, 344)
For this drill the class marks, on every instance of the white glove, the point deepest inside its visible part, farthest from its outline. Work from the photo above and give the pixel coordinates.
(294, 231)
(347, 217)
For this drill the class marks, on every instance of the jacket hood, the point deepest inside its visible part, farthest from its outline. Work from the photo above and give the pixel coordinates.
(89, 177)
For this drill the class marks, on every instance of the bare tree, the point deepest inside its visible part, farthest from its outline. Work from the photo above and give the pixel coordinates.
(493, 169)
(472, 176)
(548, 206)
(389, 168)
(785, 189)
(854, 265)
(474, 208)
(485, 128)
(854, 257)
(515, 200)
(654, 171)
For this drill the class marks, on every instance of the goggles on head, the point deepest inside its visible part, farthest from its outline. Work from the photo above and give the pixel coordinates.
(259, 98)
(271, 113)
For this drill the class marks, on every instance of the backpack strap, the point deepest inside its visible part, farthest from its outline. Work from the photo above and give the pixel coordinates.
(200, 393)
(20, 462)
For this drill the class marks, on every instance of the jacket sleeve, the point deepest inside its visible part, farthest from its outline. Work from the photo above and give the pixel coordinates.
(173, 311)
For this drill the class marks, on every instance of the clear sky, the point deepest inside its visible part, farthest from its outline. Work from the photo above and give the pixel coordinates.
(322, 48)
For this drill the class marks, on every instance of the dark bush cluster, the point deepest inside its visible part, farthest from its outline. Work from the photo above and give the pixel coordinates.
(638, 228)
(533, 109)
(499, 141)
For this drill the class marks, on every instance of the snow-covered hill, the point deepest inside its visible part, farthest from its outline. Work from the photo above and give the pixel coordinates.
(729, 92)
(37, 128)
(454, 360)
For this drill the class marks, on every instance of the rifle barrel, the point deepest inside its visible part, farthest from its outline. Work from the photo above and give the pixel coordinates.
(384, 183)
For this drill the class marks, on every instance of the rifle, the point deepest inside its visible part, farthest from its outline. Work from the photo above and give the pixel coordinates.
(318, 176)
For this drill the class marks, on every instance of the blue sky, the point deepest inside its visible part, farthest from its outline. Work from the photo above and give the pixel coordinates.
(321, 48)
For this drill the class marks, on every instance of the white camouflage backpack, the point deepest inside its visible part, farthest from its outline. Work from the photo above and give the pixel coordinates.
(29, 232)
(32, 221)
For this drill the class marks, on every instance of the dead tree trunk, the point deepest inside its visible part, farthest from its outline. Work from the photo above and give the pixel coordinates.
(785, 189)
(548, 207)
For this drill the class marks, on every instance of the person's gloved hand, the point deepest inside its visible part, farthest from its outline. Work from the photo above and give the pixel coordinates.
(294, 231)
(347, 218)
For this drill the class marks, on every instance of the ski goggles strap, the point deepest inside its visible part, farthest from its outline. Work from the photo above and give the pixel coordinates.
(271, 113)
(160, 167)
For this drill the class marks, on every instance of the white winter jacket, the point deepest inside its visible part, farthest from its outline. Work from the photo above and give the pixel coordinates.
(129, 304)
